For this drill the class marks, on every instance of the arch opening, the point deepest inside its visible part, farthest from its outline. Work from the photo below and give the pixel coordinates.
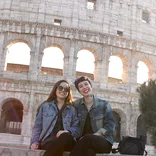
(18, 57)
(85, 64)
(11, 117)
(52, 61)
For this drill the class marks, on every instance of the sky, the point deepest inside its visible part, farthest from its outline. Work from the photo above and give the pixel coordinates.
(51, 56)
(15, 55)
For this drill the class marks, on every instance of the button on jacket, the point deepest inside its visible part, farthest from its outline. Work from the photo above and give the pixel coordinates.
(46, 115)
(101, 117)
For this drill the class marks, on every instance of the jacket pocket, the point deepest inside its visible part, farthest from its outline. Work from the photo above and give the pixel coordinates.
(47, 114)
(99, 120)
(67, 122)
(99, 117)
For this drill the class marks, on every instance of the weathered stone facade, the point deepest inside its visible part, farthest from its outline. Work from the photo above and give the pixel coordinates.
(32, 22)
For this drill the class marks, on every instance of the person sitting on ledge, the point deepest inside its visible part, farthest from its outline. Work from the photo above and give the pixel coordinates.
(57, 125)
(97, 124)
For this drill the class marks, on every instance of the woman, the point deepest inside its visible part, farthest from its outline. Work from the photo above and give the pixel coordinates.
(96, 122)
(60, 116)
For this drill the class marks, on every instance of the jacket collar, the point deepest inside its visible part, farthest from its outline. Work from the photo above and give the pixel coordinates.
(53, 104)
(95, 104)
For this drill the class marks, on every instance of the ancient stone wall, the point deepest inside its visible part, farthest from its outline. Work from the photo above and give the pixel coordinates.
(32, 22)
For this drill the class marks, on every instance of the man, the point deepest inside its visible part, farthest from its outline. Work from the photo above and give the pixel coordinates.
(97, 124)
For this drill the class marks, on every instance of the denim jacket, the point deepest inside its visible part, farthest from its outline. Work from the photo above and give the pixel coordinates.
(46, 115)
(101, 117)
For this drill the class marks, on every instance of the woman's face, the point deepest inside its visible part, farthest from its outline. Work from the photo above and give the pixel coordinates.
(62, 90)
(85, 88)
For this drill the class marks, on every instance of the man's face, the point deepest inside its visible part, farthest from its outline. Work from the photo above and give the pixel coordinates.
(85, 88)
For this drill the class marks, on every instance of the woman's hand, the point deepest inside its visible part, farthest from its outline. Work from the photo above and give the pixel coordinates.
(61, 132)
(34, 146)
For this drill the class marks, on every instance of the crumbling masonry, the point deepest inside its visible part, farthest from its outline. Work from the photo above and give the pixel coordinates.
(123, 28)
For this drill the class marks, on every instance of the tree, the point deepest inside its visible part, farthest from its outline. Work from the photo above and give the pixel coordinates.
(147, 104)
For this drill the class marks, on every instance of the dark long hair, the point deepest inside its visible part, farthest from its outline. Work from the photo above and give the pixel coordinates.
(52, 95)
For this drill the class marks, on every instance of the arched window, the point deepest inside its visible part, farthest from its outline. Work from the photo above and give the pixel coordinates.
(142, 72)
(11, 117)
(17, 54)
(115, 67)
(53, 58)
(85, 62)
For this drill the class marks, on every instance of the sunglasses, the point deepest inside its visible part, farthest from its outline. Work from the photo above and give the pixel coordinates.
(60, 88)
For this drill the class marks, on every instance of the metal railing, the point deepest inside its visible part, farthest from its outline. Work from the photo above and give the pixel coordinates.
(13, 127)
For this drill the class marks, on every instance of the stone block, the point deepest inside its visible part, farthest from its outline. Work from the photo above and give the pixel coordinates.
(4, 151)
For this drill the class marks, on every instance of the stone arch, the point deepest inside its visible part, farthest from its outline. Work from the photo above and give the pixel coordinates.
(17, 65)
(18, 40)
(11, 116)
(56, 45)
(147, 60)
(141, 128)
(90, 53)
(47, 41)
(53, 69)
(14, 38)
(150, 66)
(90, 48)
(125, 65)
(122, 122)
(90, 75)
(95, 49)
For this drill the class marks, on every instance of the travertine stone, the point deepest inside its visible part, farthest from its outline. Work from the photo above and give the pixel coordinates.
(32, 22)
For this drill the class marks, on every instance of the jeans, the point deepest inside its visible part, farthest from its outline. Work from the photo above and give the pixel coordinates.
(64, 142)
(91, 144)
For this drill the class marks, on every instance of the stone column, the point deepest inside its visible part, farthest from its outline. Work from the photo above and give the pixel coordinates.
(151, 73)
(3, 53)
(133, 76)
(27, 120)
(152, 19)
(98, 70)
(66, 65)
(103, 64)
(34, 68)
(154, 74)
(69, 71)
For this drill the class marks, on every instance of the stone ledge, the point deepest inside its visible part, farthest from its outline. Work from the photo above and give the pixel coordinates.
(6, 151)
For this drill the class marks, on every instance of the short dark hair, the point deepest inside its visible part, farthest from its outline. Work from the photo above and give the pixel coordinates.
(81, 79)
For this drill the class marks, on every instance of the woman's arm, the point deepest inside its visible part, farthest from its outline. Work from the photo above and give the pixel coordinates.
(75, 124)
(36, 131)
(109, 122)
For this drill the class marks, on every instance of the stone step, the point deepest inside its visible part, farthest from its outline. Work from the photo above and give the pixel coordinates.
(14, 151)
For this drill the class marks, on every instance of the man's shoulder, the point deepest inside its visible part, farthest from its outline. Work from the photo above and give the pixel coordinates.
(101, 100)
(77, 102)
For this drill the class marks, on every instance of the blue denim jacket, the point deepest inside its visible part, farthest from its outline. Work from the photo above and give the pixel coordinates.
(46, 115)
(101, 117)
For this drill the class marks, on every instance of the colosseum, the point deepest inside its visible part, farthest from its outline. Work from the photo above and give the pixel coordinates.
(41, 42)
